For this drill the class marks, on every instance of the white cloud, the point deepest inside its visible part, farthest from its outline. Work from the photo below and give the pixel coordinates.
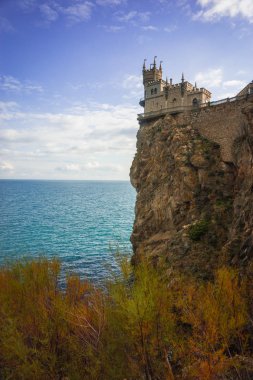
(6, 166)
(49, 13)
(213, 79)
(89, 141)
(210, 78)
(9, 83)
(78, 11)
(213, 10)
(110, 2)
(151, 28)
(89, 166)
(113, 28)
(7, 107)
(51, 10)
(133, 86)
(134, 17)
(234, 83)
(70, 168)
(170, 29)
(132, 81)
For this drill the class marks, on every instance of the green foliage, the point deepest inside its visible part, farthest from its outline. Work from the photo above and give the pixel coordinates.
(197, 230)
(141, 324)
(224, 204)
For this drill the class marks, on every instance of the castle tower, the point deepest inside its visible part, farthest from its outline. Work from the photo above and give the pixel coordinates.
(153, 73)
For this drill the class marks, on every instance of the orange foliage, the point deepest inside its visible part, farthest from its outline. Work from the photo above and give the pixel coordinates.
(146, 326)
(44, 335)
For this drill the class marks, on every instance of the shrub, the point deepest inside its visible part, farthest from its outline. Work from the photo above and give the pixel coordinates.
(147, 325)
(197, 230)
(47, 333)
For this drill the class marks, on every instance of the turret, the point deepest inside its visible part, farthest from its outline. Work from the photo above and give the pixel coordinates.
(153, 74)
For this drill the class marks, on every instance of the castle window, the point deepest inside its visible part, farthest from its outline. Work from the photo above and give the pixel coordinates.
(155, 91)
(195, 102)
(152, 91)
(174, 100)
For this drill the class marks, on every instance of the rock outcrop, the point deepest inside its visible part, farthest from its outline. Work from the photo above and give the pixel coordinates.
(194, 209)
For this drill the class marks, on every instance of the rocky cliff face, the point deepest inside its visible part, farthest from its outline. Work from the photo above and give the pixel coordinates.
(193, 209)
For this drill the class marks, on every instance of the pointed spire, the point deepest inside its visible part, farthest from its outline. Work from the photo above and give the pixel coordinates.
(182, 85)
(166, 81)
(144, 65)
(155, 61)
(160, 67)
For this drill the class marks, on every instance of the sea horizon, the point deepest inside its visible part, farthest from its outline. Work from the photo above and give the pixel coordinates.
(48, 179)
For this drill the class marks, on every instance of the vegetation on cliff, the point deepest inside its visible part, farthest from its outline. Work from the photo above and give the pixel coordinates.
(147, 324)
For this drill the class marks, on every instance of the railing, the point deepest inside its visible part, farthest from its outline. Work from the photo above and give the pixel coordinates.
(179, 109)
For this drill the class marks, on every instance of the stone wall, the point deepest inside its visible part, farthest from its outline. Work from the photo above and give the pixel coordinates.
(171, 97)
(220, 123)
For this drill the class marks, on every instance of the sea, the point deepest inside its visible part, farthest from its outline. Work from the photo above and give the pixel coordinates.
(82, 223)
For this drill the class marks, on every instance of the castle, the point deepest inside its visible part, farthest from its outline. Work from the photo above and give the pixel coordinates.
(219, 121)
(162, 95)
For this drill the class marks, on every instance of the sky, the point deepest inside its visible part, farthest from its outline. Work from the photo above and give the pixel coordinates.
(71, 75)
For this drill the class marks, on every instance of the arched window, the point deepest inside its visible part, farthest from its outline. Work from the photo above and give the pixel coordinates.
(152, 91)
(174, 100)
(195, 102)
(155, 91)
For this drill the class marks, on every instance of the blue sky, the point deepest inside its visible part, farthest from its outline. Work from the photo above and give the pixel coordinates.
(70, 75)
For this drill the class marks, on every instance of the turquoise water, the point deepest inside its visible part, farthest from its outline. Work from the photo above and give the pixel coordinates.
(80, 222)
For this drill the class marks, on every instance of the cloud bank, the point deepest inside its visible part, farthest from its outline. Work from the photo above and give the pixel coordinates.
(91, 141)
(213, 10)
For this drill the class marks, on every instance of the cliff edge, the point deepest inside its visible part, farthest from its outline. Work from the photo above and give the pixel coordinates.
(193, 174)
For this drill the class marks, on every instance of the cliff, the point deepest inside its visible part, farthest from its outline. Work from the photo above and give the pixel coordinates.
(194, 179)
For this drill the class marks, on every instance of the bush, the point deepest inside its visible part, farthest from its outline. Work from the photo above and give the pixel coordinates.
(197, 230)
(145, 326)
(47, 333)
